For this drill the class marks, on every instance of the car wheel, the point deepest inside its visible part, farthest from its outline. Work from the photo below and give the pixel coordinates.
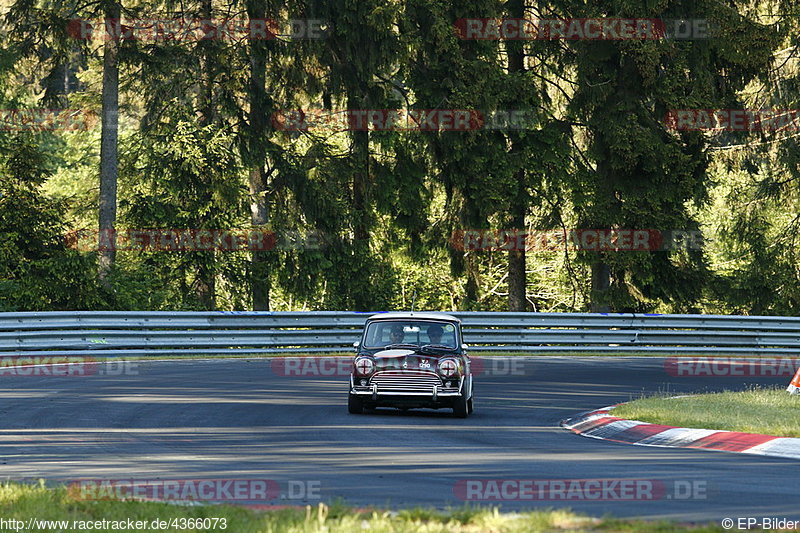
(460, 408)
(470, 407)
(354, 405)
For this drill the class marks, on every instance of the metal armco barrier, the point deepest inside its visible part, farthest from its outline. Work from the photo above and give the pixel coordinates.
(138, 333)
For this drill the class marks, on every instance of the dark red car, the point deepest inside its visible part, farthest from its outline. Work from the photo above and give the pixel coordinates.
(411, 360)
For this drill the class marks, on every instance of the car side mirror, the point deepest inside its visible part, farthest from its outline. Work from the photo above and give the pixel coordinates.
(356, 345)
(464, 347)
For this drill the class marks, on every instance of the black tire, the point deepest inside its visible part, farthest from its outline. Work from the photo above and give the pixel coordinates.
(460, 408)
(355, 406)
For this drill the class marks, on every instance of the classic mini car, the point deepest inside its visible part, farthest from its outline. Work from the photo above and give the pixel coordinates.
(409, 360)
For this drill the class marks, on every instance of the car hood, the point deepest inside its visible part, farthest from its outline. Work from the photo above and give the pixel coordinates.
(406, 359)
(398, 352)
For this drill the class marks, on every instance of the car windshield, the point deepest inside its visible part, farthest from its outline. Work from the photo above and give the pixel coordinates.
(384, 333)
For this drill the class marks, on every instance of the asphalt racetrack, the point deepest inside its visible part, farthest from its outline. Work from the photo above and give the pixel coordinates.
(248, 419)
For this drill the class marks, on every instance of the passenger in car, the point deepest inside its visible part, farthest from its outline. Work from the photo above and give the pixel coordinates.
(435, 334)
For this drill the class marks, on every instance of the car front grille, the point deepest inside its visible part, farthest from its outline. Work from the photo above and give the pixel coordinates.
(409, 381)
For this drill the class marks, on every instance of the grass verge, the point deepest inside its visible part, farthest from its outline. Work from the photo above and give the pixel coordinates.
(769, 411)
(19, 501)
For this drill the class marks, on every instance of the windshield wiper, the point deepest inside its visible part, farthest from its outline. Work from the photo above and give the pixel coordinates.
(437, 346)
(390, 346)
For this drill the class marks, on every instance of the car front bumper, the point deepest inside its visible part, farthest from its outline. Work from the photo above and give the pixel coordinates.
(410, 390)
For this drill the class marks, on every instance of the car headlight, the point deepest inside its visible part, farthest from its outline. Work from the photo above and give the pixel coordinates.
(364, 366)
(448, 368)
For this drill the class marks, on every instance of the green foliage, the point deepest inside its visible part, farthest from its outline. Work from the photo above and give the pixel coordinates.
(643, 176)
(384, 205)
(184, 176)
(38, 271)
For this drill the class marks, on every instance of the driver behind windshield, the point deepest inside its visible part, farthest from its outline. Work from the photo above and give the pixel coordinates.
(396, 336)
(435, 334)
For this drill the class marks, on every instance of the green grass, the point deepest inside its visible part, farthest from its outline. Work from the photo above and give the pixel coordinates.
(766, 411)
(23, 501)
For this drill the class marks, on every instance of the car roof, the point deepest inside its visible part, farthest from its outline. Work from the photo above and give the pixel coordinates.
(416, 316)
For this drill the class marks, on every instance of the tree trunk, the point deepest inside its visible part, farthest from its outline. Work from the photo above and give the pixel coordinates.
(472, 289)
(362, 300)
(260, 281)
(472, 294)
(601, 281)
(259, 210)
(206, 272)
(517, 295)
(606, 211)
(360, 150)
(206, 284)
(107, 208)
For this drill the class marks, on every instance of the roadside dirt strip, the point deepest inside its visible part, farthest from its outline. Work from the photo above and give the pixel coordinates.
(602, 425)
